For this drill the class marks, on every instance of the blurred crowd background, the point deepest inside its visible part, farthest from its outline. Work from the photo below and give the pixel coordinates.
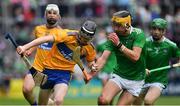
(20, 16)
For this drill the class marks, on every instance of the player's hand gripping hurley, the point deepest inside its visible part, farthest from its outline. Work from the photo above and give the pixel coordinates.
(39, 78)
(76, 58)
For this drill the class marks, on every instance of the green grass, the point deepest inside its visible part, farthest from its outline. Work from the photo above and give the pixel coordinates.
(165, 100)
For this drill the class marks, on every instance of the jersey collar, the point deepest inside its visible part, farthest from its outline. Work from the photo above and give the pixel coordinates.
(131, 29)
(163, 39)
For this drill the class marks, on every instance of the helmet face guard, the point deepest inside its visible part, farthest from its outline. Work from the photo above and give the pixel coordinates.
(121, 24)
(85, 36)
(158, 28)
(87, 32)
(119, 21)
(52, 9)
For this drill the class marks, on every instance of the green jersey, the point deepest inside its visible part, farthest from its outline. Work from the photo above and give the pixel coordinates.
(110, 64)
(158, 54)
(125, 67)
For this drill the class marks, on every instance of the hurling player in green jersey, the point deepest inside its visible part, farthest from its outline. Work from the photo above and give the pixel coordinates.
(129, 72)
(158, 51)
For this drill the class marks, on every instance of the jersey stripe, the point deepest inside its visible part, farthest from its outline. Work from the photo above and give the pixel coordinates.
(65, 50)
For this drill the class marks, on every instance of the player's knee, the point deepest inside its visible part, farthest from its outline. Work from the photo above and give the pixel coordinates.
(51, 102)
(102, 100)
(148, 101)
(27, 89)
(58, 101)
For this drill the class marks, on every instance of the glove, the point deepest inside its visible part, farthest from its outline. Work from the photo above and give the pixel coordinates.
(114, 38)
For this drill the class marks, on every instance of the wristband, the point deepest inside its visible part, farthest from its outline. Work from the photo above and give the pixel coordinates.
(122, 48)
(119, 45)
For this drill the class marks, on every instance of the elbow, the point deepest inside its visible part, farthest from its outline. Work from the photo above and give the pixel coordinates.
(135, 58)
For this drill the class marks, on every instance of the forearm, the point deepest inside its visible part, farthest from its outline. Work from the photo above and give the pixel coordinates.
(33, 43)
(38, 41)
(100, 62)
(131, 54)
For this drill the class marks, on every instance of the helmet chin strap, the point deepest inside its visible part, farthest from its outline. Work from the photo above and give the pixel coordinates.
(78, 41)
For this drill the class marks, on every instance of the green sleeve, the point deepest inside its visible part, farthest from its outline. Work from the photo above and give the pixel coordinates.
(144, 50)
(176, 51)
(98, 48)
(140, 40)
(110, 46)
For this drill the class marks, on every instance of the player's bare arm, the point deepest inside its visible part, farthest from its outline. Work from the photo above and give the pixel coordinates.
(38, 41)
(133, 54)
(93, 71)
(102, 60)
(98, 64)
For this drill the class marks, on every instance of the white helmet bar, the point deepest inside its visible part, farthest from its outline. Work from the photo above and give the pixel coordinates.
(87, 31)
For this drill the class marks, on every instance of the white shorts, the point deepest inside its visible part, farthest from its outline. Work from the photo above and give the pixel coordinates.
(132, 86)
(103, 75)
(156, 84)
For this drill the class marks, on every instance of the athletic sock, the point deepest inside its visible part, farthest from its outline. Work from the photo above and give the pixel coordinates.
(34, 104)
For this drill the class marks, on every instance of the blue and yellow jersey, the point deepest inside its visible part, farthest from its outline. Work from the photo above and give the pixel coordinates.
(60, 57)
(43, 49)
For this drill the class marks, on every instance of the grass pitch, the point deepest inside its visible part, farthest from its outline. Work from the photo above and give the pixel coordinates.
(164, 100)
(75, 95)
